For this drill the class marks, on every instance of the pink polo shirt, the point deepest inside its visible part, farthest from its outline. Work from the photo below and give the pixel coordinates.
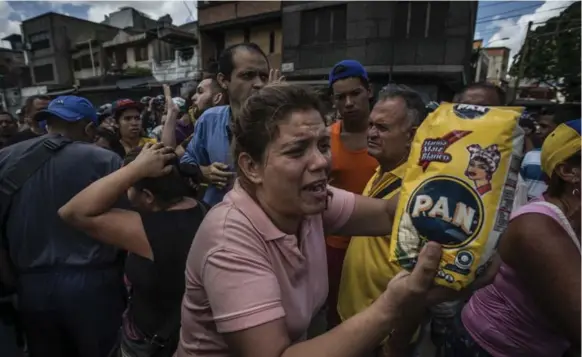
(242, 272)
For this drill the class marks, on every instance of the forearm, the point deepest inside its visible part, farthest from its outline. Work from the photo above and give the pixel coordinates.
(179, 151)
(100, 196)
(169, 130)
(355, 337)
(371, 217)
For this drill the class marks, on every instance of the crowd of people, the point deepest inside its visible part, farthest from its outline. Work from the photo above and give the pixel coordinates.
(251, 219)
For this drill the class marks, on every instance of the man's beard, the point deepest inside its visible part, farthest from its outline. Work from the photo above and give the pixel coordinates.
(197, 112)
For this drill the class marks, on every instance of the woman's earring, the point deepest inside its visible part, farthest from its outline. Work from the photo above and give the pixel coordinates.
(576, 192)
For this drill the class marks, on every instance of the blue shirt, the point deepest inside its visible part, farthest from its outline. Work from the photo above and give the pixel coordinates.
(532, 174)
(37, 237)
(210, 144)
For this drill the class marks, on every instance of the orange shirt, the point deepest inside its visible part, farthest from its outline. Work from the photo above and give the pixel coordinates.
(350, 170)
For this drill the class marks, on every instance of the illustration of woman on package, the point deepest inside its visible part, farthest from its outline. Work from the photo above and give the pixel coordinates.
(483, 162)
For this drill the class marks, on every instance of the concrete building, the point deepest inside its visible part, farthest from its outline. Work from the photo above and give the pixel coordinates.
(168, 54)
(425, 45)
(70, 55)
(223, 23)
(479, 61)
(14, 73)
(498, 65)
(129, 18)
(49, 40)
(13, 67)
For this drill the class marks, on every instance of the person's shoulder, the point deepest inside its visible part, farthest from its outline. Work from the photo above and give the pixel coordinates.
(533, 218)
(211, 114)
(21, 136)
(335, 128)
(226, 227)
(20, 148)
(532, 156)
(91, 154)
(91, 149)
(15, 152)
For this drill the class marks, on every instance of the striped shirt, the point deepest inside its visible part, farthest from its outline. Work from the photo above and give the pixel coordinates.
(532, 174)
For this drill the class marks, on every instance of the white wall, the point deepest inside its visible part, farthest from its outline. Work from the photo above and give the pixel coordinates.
(87, 73)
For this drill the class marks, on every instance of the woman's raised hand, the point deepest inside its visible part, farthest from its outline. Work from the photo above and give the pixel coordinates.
(154, 160)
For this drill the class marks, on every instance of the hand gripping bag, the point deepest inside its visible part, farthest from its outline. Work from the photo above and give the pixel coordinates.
(458, 189)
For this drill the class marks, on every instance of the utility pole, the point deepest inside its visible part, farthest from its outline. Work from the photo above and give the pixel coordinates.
(91, 56)
(522, 60)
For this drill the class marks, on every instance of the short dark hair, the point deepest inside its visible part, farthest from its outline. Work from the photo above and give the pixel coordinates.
(488, 87)
(112, 137)
(30, 101)
(260, 117)
(171, 188)
(216, 88)
(415, 106)
(3, 112)
(213, 81)
(226, 59)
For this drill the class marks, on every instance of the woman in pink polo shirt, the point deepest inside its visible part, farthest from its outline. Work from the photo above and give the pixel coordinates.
(256, 273)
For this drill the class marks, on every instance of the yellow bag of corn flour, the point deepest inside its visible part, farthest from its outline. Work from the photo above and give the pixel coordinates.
(458, 189)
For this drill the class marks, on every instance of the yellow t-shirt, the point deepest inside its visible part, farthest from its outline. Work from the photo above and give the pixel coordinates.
(366, 270)
(145, 140)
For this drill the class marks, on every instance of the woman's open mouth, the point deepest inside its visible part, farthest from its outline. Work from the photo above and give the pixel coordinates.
(318, 189)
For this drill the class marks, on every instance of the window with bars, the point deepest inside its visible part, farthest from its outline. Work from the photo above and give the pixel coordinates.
(39, 40)
(324, 25)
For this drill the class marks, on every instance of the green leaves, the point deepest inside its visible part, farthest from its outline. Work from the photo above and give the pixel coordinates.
(554, 53)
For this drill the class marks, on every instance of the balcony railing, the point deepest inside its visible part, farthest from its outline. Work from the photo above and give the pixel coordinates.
(177, 69)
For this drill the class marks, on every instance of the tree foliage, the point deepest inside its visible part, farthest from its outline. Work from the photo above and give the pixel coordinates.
(553, 57)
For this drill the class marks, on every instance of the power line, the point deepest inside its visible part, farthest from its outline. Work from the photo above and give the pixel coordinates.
(188, 8)
(514, 16)
(497, 4)
(514, 10)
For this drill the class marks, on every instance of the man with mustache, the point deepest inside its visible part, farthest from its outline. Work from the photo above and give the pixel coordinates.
(243, 69)
(366, 270)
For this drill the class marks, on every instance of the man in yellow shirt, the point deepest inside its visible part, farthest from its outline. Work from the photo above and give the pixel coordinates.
(366, 270)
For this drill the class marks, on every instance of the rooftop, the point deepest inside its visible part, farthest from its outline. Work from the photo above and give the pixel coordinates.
(13, 38)
(52, 13)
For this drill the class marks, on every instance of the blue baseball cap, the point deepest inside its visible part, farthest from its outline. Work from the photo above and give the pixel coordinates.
(347, 69)
(69, 108)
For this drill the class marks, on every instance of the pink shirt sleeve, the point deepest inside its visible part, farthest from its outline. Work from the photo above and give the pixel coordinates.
(339, 209)
(242, 288)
